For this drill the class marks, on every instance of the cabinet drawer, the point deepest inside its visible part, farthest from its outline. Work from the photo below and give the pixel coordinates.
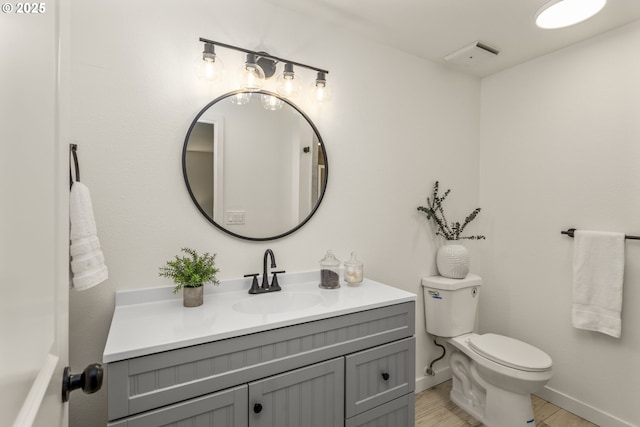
(224, 409)
(397, 413)
(378, 375)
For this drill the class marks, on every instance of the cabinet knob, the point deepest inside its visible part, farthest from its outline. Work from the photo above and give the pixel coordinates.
(385, 376)
(257, 408)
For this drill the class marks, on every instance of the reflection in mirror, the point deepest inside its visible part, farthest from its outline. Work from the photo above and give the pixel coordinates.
(255, 171)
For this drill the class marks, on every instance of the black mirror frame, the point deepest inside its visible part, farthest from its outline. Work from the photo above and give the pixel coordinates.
(219, 226)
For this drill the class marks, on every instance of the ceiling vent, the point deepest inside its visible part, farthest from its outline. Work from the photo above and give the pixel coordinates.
(474, 53)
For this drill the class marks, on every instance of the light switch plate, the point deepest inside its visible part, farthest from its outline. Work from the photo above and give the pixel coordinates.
(234, 217)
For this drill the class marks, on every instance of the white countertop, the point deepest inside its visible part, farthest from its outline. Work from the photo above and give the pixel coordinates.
(153, 320)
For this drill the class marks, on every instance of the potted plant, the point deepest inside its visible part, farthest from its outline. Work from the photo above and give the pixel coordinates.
(452, 260)
(190, 273)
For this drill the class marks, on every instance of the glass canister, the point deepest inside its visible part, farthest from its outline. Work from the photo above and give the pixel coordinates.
(329, 271)
(353, 271)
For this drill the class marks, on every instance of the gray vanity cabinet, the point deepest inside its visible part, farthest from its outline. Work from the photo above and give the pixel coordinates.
(351, 370)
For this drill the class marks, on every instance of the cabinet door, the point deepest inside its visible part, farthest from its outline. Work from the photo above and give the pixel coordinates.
(307, 397)
(227, 408)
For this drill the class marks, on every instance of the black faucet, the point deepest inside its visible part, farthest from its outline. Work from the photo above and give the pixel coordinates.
(265, 280)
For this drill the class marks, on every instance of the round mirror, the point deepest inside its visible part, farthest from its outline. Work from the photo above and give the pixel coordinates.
(255, 165)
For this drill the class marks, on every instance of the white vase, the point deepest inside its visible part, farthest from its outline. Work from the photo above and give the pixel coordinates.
(452, 261)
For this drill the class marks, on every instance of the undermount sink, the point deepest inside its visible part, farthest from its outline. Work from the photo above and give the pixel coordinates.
(276, 302)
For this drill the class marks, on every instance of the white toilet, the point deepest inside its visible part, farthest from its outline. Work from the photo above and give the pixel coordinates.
(493, 375)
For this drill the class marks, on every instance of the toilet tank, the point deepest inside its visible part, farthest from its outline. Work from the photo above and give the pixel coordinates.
(450, 305)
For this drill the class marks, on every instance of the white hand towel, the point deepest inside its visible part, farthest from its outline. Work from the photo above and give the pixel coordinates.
(87, 262)
(598, 270)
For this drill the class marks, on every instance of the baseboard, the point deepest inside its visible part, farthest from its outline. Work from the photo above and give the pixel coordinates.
(428, 381)
(582, 409)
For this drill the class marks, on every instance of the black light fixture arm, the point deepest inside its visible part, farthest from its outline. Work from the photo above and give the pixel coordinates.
(264, 55)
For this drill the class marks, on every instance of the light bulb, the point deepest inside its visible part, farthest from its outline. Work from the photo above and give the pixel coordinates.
(251, 76)
(287, 84)
(271, 103)
(320, 92)
(563, 13)
(241, 98)
(210, 67)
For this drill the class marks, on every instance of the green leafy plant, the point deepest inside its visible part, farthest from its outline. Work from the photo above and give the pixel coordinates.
(435, 212)
(191, 271)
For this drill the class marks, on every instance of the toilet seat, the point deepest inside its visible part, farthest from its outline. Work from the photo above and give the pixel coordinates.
(510, 352)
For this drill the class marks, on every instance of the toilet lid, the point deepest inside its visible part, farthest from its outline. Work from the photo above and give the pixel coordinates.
(510, 352)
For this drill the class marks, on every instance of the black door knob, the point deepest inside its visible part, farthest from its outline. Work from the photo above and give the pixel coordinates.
(385, 376)
(257, 408)
(90, 380)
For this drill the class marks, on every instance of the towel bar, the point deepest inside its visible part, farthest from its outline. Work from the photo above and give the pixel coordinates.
(570, 231)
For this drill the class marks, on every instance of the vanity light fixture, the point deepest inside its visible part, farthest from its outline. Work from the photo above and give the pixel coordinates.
(261, 66)
(321, 93)
(210, 68)
(271, 103)
(240, 98)
(267, 64)
(564, 13)
(287, 84)
(251, 75)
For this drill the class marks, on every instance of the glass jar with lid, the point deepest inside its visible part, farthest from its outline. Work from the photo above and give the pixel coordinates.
(329, 271)
(353, 271)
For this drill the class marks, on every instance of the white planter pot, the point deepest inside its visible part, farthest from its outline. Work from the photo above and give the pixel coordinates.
(452, 261)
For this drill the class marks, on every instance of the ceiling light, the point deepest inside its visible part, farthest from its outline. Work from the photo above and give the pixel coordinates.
(563, 13)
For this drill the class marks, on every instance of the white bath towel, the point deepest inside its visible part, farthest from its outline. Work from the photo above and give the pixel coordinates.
(598, 270)
(87, 260)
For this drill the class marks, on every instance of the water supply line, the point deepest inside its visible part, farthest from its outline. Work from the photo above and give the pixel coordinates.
(429, 370)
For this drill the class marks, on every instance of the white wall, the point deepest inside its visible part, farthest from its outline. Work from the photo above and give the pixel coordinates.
(134, 95)
(560, 148)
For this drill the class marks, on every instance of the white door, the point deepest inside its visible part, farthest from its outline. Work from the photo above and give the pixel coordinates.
(33, 218)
